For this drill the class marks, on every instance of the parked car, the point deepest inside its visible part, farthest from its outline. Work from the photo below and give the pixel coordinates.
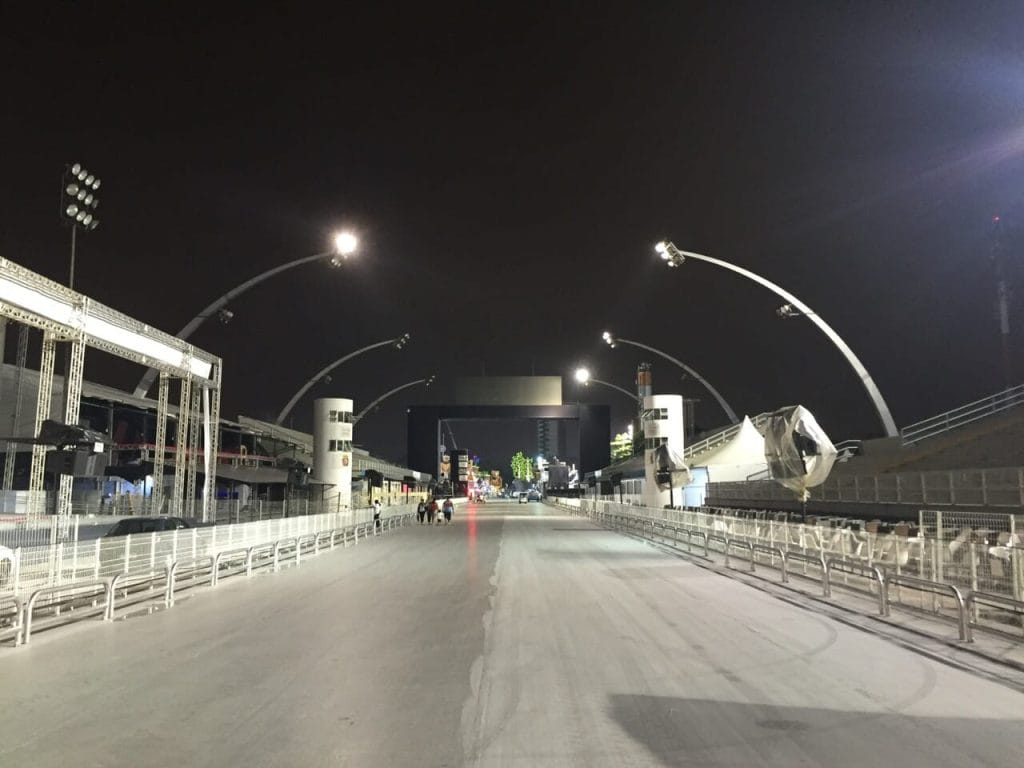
(135, 525)
(140, 553)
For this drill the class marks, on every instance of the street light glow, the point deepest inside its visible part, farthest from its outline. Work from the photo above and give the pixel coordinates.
(662, 248)
(609, 338)
(345, 244)
(582, 375)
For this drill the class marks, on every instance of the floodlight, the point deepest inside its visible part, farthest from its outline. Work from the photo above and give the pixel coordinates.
(72, 189)
(76, 169)
(95, 223)
(71, 210)
(345, 243)
(662, 248)
(582, 375)
(96, 184)
(87, 220)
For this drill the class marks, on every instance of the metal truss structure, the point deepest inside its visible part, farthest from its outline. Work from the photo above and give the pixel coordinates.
(19, 391)
(64, 315)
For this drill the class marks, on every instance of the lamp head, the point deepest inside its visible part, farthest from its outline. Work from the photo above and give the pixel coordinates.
(402, 340)
(669, 253)
(582, 375)
(609, 339)
(345, 244)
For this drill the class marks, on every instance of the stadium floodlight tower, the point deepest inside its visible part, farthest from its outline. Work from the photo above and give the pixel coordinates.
(612, 340)
(583, 377)
(674, 257)
(79, 200)
(344, 244)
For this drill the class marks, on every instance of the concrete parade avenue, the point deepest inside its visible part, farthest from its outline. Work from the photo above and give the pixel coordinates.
(517, 636)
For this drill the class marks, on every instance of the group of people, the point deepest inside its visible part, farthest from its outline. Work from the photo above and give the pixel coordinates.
(430, 513)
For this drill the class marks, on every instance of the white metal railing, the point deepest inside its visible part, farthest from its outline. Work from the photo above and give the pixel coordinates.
(921, 571)
(144, 554)
(721, 437)
(145, 578)
(965, 414)
(993, 487)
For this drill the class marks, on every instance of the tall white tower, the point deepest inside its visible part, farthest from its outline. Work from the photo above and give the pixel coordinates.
(332, 448)
(663, 425)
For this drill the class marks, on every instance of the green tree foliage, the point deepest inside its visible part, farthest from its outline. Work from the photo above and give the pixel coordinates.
(622, 447)
(522, 467)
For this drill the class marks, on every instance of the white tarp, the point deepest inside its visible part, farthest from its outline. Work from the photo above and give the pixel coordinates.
(799, 453)
(737, 459)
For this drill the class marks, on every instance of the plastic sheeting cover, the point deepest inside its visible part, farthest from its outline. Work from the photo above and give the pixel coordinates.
(799, 453)
(670, 468)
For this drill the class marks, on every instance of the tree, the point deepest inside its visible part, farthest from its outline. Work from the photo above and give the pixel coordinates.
(622, 447)
(522, 467)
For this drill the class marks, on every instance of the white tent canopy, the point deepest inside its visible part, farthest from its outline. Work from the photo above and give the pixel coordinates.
(737, 459)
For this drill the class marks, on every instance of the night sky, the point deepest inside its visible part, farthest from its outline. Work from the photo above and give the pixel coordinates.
(508, 168)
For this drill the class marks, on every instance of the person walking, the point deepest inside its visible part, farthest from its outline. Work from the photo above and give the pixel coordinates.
(421, 510)
(376, 514)
(431, 511)
(448, 508)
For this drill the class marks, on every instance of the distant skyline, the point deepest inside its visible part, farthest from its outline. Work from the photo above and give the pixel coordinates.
(508, 169)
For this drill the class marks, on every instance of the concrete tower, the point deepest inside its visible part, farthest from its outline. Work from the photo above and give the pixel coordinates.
(662, 425)
(332, 448)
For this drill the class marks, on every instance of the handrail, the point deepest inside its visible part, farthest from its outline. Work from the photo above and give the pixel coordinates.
(857, 569)
(818, 560)
(247, 551)
(770, 550)
(115, 584)
(31, 603)
(993, 601)
(298, 545)
(172, 572)
(278, 546)
(24, 610)
(964, 414)
(925, 585)
(19, 608)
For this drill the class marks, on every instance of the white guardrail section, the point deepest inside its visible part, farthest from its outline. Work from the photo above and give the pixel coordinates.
(963, 579)
(965, 414)
(997, 487)
(78, 580)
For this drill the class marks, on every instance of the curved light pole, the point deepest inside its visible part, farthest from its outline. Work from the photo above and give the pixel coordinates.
(398, 343)
(345, 244)
(583, 377)
(428, 381)
(611, 340)
(674, 257)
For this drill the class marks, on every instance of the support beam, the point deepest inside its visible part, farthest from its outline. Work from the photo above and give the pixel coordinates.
(43, 396)
(182, 448)
(211, 439)
(160, 452)
(193, 451)
(19, 398)
(73, 403)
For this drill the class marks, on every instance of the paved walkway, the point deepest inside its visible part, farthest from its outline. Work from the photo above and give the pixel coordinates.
(514, 637)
